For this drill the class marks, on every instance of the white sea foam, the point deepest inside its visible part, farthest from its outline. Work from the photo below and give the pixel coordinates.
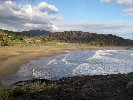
(75, 63)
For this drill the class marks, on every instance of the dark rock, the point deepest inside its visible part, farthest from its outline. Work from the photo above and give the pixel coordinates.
(97, 87)
(21, 83)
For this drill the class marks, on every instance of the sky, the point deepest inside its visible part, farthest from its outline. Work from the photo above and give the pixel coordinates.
(95, 16)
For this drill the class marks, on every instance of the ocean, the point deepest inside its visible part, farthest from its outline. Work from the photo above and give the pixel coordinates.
(74, 63)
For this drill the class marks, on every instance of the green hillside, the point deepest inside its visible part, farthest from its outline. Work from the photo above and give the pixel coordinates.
(8, 38)
(89, 38)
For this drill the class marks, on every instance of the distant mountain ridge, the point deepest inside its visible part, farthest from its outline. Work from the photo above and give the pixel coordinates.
(36, 32)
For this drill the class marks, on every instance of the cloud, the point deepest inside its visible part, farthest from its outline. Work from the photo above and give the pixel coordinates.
(120, 29)
(106, 1)
(44, 7)
(128, 11)
(17, 0)
(123, 2)
(25, 17)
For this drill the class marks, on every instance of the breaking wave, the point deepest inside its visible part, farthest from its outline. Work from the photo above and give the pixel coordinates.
(86, 62)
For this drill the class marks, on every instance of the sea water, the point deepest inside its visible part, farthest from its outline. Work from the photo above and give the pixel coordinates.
(75, 63)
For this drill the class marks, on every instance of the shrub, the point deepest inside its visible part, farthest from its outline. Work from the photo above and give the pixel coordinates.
(16, 92)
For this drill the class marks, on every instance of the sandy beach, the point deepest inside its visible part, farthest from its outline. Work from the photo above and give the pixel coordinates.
(12, 57)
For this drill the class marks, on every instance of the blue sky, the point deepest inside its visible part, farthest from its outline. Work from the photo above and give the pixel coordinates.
(86, 10)
(98, 16)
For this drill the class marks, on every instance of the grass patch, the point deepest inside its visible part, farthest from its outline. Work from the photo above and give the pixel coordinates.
(16, 92)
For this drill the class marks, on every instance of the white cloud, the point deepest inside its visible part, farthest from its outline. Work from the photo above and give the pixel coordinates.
(44, 7)
(123, 2)
(17, 0)
(120, 29)
(106, 1)
(24, 17)
(128, 11)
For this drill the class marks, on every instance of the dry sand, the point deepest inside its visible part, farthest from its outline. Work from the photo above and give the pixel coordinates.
(12, 57)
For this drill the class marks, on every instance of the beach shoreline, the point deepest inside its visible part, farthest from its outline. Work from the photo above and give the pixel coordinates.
(12, 57)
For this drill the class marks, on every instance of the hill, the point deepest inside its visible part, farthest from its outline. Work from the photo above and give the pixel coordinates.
(42, 36)
(9, 37)
(89, 38)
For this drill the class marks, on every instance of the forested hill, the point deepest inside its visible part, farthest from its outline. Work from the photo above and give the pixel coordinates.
(11, 38)
(90, 38)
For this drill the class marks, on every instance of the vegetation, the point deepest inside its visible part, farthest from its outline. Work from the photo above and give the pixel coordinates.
(8, 38)
(17, 92)
(97, 87)
(90, 38)
(108, 87)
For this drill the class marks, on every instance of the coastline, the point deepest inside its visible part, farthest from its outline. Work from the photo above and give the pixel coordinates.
(13, 56)
(9, 64)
